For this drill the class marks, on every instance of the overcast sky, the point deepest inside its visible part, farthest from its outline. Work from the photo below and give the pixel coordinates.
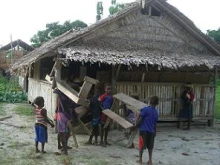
(23, 18)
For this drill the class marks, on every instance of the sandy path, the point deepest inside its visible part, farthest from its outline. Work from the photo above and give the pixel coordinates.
(200, 146)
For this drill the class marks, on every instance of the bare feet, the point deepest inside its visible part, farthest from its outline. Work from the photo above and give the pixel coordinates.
(44, 152)
(149, 163)
(139, 161)
(68, 147)
(37, 151)
(107, 143)
(88, 143)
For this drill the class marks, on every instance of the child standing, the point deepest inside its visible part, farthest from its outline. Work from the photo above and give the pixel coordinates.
(106, 103)
(65, 115)
(41, 123)
(95, 109)
(147, 126)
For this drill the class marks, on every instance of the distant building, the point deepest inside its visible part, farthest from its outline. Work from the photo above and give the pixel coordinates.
(12, 52)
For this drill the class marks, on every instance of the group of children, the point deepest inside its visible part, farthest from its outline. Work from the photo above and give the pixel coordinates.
(146, 121)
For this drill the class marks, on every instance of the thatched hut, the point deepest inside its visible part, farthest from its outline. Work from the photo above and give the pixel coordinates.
(144, 51)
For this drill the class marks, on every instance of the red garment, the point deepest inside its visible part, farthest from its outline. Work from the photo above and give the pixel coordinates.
(192, 96)
(141, 143)
(102, 97)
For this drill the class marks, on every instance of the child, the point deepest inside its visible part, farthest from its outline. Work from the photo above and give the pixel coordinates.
(147, 126)
(41, 123)
(106, 102)
(95, 108)
(65, 115)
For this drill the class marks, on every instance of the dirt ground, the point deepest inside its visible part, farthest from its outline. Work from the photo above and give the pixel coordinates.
(199, 146)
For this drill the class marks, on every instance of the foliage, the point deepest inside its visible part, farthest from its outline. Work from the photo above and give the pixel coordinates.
(217, 102)
(215, 34)
(55, 29)
(10, 91)
(115, 7)
(99, 11)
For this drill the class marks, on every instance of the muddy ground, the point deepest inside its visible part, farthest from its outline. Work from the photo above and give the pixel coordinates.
(199, 146)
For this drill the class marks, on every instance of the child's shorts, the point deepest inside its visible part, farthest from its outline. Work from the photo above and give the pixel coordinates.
(95, 121)
(41, 133)
(146, 140)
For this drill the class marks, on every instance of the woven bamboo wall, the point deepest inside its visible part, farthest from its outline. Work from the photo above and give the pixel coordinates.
(169, 95)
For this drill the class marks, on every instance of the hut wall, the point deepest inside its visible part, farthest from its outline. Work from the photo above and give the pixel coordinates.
(42, 88)
(169, 95)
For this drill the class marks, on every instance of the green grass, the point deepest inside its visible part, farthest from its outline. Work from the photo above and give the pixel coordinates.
(2, 110)
(23, 109)
(217, 102)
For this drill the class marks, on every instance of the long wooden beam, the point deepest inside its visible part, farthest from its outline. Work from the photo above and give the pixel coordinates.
(133, 104)
(124, 123)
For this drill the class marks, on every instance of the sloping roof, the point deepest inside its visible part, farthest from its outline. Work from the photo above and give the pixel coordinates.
(18, 42)
(50, 47)
(164, 59)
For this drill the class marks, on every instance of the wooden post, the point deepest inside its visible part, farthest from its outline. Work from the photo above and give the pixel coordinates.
(211, 121)
(113, 80)
(117, 73)
(74, 135)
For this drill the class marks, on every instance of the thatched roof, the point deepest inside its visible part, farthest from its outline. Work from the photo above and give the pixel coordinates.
(18, 42)
(83, 45)
(163, 60)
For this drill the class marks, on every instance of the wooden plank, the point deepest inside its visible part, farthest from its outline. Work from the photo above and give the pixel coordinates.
(54, 66)
(136, 104)
(74, 135)
(69, 92)
(84, 127)
(132, 137)
(124, 123)
(84, 91)
(81, 111)
(91, 80)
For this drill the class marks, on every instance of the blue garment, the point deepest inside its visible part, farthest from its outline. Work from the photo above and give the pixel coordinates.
(107, 102)
(95, 107)
(149, 117)
(41, 133)
(95, 121)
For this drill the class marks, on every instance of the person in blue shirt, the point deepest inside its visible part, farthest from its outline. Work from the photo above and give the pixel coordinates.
(147, 126)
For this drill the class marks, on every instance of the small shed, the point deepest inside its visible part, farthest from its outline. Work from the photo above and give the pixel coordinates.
(146, 49)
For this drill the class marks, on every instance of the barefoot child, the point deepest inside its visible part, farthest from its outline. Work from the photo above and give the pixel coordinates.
(95, 109)
(147, 125)
(65, 115)
(106, 102)
(41, 123)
